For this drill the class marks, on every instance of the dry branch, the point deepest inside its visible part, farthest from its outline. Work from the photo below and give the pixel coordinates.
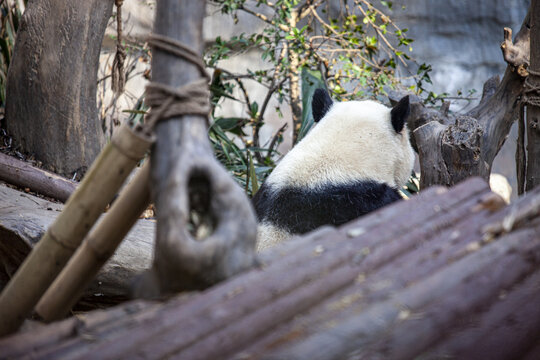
(24, 175)
(454, 147)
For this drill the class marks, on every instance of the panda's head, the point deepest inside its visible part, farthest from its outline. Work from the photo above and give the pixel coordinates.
(352, 140)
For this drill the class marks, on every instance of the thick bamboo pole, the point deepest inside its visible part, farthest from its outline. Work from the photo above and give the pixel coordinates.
(63, 237)
(96, 248)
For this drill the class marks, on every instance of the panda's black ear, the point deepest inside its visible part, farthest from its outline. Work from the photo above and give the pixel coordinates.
(320, 104)
(399, 113)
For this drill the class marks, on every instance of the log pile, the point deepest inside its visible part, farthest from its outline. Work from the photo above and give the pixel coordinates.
(450, 273)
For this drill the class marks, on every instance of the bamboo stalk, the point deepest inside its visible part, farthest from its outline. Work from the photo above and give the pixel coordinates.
(58, 244)
(96, 249)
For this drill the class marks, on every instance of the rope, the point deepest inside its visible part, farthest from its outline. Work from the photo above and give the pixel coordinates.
(178, 49)
(531, 91)
(118, 73)
(166, 101)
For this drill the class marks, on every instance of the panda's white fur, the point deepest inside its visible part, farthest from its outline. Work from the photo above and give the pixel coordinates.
(353, 141)
(354, 145)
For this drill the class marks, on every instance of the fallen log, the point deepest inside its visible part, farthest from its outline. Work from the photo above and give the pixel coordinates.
(21, 174)
(437, 282)
(25, 218)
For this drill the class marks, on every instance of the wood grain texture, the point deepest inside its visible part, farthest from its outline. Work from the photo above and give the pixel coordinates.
(440, 283)
(206, 225)
(51, 87)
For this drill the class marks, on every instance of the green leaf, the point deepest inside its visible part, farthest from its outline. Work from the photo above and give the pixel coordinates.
(311, 80)
(253, 175)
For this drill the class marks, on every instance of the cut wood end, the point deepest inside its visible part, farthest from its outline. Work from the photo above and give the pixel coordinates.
(516, 54)
(507, 34)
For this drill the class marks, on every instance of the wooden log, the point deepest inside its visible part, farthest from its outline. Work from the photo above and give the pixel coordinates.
(63, 237)
(514, 317)
(24, 175)
(460, 282)
(39, 340)
(284, 275)
(332, 298)
(24, 219)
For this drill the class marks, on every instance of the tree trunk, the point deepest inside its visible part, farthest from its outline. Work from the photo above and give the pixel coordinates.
(454, 147)
(206, 227)
(532, 177)
(294, 83)
(51, 89)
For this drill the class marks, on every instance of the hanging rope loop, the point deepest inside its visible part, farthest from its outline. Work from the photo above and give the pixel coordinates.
(531, 89)
(118, 73)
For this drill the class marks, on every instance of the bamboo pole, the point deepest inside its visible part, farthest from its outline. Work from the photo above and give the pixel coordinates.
(58, 244)
(96, 248)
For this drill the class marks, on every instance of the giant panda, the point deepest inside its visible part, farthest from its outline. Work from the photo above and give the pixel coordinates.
(352, 162)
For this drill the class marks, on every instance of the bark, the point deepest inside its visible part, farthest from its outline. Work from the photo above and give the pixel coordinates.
(51, 88)
(532, 176)
(383, 286)
(24, 219)
(294, 82)
(21, 174)
(454, 147)
(206, 226)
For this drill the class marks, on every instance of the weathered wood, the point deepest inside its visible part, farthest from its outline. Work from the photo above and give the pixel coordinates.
(25, 218)
(532, 176)
(206, 226)
(51, 87)
(514, 317)
(385, 286)
(24, 175)
(454, 147)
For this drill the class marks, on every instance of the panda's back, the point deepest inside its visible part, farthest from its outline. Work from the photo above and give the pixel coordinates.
(351, 163)
(301, 209)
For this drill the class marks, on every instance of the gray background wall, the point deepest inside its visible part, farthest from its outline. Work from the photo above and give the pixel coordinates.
(461, 40)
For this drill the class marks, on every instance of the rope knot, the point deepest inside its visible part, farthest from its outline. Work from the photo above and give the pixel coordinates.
(191, 99)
